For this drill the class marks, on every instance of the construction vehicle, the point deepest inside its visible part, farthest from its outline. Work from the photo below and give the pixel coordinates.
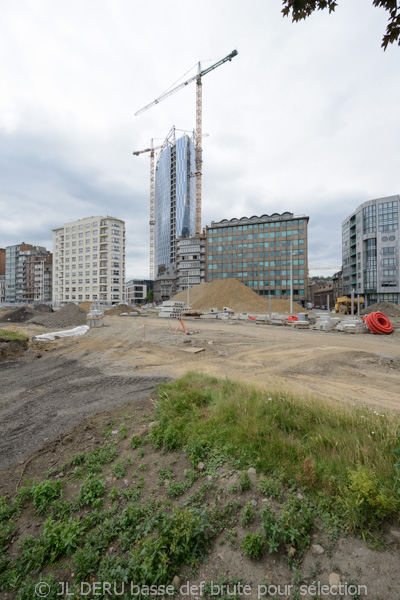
(343, 304)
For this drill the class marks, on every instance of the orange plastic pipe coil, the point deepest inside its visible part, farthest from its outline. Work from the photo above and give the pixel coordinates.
(292, 318)
(378, 323)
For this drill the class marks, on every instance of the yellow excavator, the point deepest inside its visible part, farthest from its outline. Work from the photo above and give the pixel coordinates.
(343, 304)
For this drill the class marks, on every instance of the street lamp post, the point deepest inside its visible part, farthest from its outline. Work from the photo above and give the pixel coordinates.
(187, 288)
(291, 281)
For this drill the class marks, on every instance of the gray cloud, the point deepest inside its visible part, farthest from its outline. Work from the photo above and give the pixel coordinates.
(305, 118)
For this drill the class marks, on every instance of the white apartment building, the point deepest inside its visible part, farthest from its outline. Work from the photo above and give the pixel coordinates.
(89, 261)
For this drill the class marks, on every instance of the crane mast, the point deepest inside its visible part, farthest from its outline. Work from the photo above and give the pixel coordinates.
(199, 148)
(199, 124)
(152, 199)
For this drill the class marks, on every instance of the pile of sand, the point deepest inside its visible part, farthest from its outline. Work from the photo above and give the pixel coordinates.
(117, 310)
(69, 315)
(235, 295)
(85, 305)
(387, 308)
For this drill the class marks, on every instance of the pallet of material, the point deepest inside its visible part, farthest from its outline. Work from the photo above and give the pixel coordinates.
(171, 309)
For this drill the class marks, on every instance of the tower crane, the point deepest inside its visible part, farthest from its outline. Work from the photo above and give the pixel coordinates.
(152, 149)
(199, 122)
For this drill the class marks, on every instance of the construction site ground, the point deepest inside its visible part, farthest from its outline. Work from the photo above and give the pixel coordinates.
(362, 368)
(60, 396)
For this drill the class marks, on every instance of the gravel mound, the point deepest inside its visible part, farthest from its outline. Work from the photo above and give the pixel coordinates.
(387, 308)
(117, 310)
(69, 315)
(235, 295)
(43, 308)
(19, 315)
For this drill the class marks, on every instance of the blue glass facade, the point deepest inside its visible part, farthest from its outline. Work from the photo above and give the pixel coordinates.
(175, 199)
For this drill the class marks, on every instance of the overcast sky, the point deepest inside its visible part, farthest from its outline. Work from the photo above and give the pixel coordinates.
(305, 119)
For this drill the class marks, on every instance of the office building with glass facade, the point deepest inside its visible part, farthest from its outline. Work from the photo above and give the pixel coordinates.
(175, 198)
(267, 253)
(371, 251)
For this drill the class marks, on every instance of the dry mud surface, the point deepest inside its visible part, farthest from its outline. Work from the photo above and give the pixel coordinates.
(42, 398)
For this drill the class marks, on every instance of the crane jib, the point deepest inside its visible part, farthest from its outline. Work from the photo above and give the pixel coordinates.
(180, 86)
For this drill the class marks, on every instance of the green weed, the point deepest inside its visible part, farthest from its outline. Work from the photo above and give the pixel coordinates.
(292, 528)
(248, 514)
(119, 469)
(78, 459)
(253, 545)
(44, 494)
(244, 481)
(270, 487)
(136, 442)
(91, 492)
(102, 455)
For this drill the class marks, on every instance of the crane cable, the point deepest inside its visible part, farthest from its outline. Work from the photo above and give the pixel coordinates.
(378, 323)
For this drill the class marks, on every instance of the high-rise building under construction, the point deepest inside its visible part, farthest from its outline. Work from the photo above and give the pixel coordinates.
(175, 198)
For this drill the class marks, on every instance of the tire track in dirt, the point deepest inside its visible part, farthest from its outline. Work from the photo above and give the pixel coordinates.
(54, 394)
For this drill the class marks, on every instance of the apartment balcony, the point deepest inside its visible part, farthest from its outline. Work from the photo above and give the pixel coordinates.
(103, 280)
(103, 247)
(103, 288)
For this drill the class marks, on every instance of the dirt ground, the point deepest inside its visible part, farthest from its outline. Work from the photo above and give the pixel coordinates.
(58, 399)
(42, 398)
(361, 368)
(57, 384)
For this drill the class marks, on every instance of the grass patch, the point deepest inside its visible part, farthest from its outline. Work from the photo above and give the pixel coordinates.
(12, 335)
(343, 452)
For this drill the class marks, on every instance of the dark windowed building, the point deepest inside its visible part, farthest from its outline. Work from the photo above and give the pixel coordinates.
(267, 253)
